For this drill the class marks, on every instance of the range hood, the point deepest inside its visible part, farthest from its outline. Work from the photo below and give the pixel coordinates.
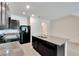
(4, 15)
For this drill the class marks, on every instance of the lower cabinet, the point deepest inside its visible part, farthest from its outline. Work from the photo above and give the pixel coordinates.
(44, 48)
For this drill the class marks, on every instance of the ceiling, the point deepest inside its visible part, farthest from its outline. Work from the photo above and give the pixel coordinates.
(46, 10)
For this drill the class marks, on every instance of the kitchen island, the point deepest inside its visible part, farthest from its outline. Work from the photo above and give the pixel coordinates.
(50, 45)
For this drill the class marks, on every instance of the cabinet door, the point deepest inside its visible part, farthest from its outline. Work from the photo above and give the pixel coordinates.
(35, 43)
(46, 49)
(41, 49)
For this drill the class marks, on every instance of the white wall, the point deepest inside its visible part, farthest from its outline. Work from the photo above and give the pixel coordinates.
(36, 25)
(48, 26)
(67, 27)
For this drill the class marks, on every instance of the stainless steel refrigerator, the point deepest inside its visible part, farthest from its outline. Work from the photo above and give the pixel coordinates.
(24, 34)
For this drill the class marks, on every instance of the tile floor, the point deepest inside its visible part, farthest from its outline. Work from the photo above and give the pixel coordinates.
(28, 50)
(16, 49)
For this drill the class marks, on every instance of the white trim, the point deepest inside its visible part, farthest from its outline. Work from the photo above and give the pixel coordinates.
(66, 48)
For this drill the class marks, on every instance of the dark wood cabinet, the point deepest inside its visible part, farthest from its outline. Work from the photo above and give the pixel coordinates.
(35, 44)
(44, 48)
(13, 24)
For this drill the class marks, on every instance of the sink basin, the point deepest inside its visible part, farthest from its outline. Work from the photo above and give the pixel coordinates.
(42, 36)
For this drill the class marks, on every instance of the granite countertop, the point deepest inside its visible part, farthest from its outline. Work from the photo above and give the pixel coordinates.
(9, 34)
(52, 39)
(9, 31)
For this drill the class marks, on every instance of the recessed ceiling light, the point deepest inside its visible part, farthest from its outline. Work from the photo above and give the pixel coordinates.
(23, 13)
(33, 15)
(28, 6)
